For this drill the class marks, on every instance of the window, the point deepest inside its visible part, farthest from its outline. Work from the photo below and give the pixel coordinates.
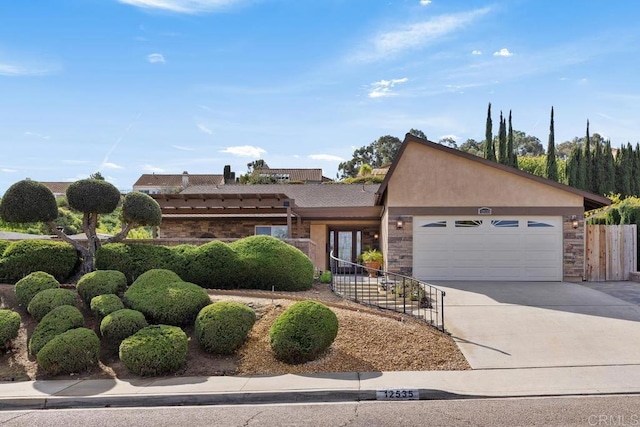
(504, 223)
(468, 223)
(277, 231)
(538, 224)
(436, 224)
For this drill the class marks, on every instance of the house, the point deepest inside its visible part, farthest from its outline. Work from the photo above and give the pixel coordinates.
(59, 189)
(439, 214)
(280, 175)
(167, 183)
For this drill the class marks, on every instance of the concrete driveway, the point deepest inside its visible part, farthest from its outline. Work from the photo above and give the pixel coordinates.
(540, 324)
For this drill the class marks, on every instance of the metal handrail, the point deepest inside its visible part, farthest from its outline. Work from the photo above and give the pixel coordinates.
(387, 290)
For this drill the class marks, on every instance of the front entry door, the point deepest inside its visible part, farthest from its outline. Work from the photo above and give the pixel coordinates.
(346, 245)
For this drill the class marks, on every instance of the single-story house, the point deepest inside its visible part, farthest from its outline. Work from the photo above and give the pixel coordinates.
(153, 183)
(439, 214)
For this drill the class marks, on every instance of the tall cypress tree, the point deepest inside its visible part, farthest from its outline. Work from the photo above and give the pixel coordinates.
(502, 141)
(588, 175)
(575, 168)
(624, 170)
(635, 173)
(599, 184)
(489, 149)
(511, 153)
(551, 171)
(609, 176)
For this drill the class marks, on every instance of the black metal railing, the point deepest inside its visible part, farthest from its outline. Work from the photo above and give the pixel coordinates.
(389, 291)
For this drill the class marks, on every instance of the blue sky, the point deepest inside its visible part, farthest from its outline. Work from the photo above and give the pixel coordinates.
(127, 87)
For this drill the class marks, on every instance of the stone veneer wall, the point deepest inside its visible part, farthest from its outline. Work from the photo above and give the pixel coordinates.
(223, 228)
(399, 256)
(573, 241)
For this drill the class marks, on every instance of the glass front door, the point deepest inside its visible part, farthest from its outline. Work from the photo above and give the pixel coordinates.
(346, 245)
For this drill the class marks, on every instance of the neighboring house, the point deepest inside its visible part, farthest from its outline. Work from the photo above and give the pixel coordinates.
(168, 184)
(439, 214)
(308, 176)
(59, 189)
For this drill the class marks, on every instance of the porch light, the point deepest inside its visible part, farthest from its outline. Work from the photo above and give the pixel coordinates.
(399, 224)
(376, 236)
(574, 221)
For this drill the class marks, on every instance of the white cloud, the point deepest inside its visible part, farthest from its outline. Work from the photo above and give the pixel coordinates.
(109, 165)
(7, 170)
(384, 87)
(476, 52)
(150, 168)
(503, 52)
(156, 58)
(182, 6)
(37, 135)
(418, 35)
(12, 70)
(451, 136)
(327, 157)
(204, 129)
(245, 151)
(425, 2)
(183, 148)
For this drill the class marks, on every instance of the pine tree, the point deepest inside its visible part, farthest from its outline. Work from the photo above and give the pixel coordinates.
(588, 175)
(609, 176)
(511, 153)
(489, 149)
(502, 141)
(551, 171)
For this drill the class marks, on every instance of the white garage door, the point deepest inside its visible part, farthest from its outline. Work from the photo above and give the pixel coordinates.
(487, 248)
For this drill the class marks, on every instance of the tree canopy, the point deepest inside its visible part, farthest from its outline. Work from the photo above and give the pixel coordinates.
(379, 153)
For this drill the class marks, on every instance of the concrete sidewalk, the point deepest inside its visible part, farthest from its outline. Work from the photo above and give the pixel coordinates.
(493, 383)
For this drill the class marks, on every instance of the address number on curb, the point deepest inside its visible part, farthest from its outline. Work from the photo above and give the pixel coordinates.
(398, 394)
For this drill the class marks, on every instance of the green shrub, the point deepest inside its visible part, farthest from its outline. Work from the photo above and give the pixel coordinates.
(47, 300)
(222, 327)
(4, 244)
(303, 332)
(134, 259)
(29, 286)
(100, 282)
(93, 195)
(267, 262)
(28, 201)
(121, 324)
(73, 351)
(57, 321)
(27, 256)
(102, 305)
(9, 327)
(169, 303)
(154, 350)
(212, 265)
(181, 257)
(156, 276)
(325, 277)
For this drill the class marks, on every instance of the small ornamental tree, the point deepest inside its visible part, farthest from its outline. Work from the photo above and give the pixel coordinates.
(31, 201)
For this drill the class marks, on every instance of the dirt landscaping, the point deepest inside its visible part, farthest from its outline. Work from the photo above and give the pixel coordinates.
(368, 340)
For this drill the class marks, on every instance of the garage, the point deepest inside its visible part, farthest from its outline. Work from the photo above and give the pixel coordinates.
(523, 248)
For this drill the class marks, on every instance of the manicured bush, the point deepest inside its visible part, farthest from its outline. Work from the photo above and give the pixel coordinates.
(266, 261)
(325, 277)
(121, 324)
(213, 265)
(28, 201)
(93, 195)
(222, 327)
(4, 244)
(303, 332)
(29, 286)
(72, 351)
(141, 209)
(156, 276)
(102, 305)
(100, 282)
(181, 257)
(134, 259)
(57, 321)
(47, 300)
(154, 350)
(9, 327)
(27, 256)
(163, 302)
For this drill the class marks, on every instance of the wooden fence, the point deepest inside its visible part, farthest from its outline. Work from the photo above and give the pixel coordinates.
(611, 252)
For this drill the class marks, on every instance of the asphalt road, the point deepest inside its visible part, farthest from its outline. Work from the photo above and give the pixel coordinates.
(574, 411)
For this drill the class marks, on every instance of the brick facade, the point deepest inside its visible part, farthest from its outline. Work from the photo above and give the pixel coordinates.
(573, 248)
(224, 228)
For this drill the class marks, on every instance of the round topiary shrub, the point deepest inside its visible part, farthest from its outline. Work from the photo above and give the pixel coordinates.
(303, 331)
(57, 321)
(9, 327)
(72, 351)
(100, 282)
(28, 201)
(141, 209)
(166, 302)
(222, 327)
(267, 262)
(103, 305)
(213, 265)
(121, 324)
(154, 350)
(134, 259)
(156, 276)
(47, 300)
(27, 256)
(93, 195)
(30, 285)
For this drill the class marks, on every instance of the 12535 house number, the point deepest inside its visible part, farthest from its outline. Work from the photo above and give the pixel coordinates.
(398, 394)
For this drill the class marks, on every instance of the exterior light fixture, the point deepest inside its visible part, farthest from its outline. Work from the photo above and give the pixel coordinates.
(399, 224)
(574, 221)
(376, 236)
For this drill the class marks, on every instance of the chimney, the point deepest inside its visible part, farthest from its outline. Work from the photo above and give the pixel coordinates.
(229, 177)
(185, 179)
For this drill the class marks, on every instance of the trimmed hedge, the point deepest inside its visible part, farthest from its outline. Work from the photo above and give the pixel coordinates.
(57, 321)
(27, 256)
(154, 350)
(100, 282)
(213, 265)
(28, 201)
(141, 209)
(29, 286)
(93, 195)
(4, 244)
(9, 327)
(103, 305)
(134, 259)
(267, 262)
(47, 300)
(121, 324)
(222, 327)
(72, 351)
(303, 331)
(156, 276)
(169, 303)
